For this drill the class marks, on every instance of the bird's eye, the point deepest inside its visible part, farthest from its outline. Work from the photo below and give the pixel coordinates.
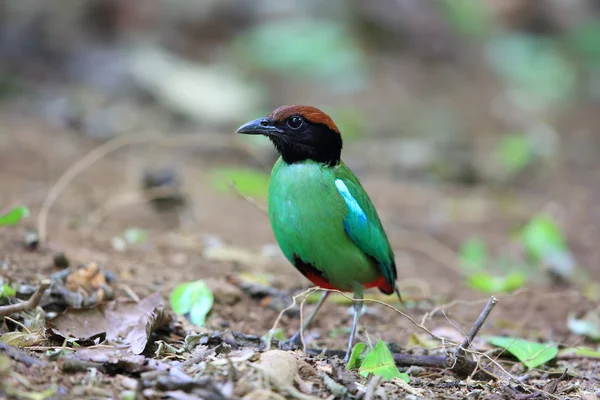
(295, 122)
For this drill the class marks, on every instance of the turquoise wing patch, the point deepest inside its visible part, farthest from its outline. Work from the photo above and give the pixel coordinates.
(363, 227)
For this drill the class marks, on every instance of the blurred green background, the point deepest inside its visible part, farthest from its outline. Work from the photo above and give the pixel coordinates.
(461, 90)
(494, 94)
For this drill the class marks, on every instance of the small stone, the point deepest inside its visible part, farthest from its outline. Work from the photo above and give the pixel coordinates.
(225, 293)
(31, 240)
(61, 261)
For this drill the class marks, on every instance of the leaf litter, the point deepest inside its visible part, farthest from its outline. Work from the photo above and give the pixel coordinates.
(122, 322)
(99, 332)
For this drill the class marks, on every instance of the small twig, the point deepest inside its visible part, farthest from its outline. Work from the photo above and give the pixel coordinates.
(372, 387)
(456, 362)
(18, 323)
(18, 355)
(401, 359)
(110, 146)
(30, 304)
(250, 200)
(73, 365)
(460, 352)
(306, 293)
(127, 289)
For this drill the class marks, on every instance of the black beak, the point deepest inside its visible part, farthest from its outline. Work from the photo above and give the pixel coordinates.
(260, 126)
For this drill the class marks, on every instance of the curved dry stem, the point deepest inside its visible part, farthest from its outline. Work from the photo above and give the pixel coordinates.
(30, 304)
(110, 146)
(306, 293)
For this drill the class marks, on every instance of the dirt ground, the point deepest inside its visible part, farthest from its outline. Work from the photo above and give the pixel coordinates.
(426, 224)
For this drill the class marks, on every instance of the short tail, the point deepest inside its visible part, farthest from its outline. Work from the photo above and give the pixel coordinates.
(398, 294)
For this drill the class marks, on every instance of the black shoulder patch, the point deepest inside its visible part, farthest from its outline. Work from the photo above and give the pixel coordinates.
(305, 268)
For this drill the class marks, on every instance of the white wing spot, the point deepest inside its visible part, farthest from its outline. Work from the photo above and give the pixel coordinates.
(350, 201)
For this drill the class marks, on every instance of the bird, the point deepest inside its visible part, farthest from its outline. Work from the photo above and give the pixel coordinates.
(322, 218)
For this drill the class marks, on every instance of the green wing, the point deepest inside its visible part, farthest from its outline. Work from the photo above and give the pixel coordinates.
(362, 223)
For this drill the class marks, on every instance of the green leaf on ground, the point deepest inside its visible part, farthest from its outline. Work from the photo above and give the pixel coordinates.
(588, 325)
(514, 152)
(545, 242)
(380, 361)
(473, 254)
(357, 356)
(487, 283)
(14, 216)
(275, 334)
(7, 290)
(247, 182)
(542, 237)
(580, 351)
(531, 354)
(194, 299)
(135, 235)
(335, 332)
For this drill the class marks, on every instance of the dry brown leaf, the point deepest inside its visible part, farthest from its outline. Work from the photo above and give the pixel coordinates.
(22, 339)
(125, 321)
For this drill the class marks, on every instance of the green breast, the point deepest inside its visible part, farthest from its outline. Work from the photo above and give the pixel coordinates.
(307, 216)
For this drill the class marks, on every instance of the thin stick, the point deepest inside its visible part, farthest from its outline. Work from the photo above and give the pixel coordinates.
(456, 362)
(373, 385)
(30, 304)
(248, 199)
(460, 352)
(294, 300)
(108, 147)
(18, 355)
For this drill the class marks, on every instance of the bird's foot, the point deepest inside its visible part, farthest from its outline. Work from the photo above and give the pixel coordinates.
(347, 357)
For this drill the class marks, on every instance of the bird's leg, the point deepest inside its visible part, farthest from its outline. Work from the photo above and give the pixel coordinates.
(297, 338)
(358, 295)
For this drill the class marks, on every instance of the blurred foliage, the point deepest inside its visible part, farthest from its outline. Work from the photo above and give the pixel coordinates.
(135, 235)
(515, 152)
(470, 18)
(14, 216)
(587, 325)
(531, 354)
(320, 50)
(194, 300)
(580, 351)
(131, 236)
(247, 182)
(545, 243)
(585, 39)
(474, 259)
(473, 254)
(537, 75)
(545, 250)
(350, 121)
(487, 283)
(7, 290)
(278, 334)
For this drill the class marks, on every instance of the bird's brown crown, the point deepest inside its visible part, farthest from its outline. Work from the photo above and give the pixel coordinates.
(310, 114)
